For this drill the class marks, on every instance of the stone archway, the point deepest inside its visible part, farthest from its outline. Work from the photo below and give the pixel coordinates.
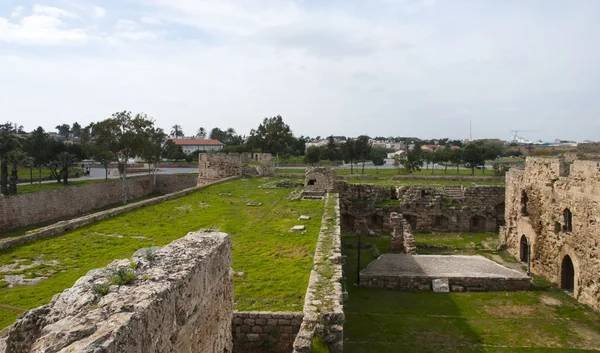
(523, 249)
(567, 274)
(477, 224)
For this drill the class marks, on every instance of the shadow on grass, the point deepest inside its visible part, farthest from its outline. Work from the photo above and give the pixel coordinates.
(378, 320)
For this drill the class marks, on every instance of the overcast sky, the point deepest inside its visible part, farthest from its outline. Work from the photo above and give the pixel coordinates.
(347, 67)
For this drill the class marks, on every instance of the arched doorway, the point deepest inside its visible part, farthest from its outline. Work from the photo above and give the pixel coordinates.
(567, 274)
(524, 249)
(412, 221)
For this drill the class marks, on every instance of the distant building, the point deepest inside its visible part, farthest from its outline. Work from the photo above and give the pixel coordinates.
(392, 155)
(191, 145)
(319, 143)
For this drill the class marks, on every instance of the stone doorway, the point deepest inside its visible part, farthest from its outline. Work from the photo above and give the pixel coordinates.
(477, 224)
(523, 249)
(567, 274)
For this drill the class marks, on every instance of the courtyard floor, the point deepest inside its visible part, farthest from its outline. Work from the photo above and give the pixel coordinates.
(271, 264)
(540, 320)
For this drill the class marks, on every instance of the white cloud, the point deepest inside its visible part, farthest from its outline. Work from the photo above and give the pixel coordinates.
(99, 12)
(53, 12)
(151, 20)
(40, 29)
(17, 12)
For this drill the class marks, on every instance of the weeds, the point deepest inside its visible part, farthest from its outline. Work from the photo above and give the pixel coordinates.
(123, 277)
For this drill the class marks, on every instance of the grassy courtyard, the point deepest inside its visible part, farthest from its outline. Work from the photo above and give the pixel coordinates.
(541, 320)
(275, 263)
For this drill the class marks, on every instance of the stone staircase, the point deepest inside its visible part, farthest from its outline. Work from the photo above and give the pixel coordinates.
(454, 192)
(313, 195)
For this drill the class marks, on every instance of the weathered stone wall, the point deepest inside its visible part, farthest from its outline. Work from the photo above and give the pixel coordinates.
(216, 166)
(552, 186)
(457, 284)
(52, 205)
(78, 222)
(180, 301)
(319, 179)
(268, 332)
(323, 305)
(367, 208)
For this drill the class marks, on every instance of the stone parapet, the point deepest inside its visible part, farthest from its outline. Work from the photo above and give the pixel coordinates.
(180, 300)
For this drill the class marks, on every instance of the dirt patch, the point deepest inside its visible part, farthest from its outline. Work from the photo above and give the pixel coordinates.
(550, 301)
(16, 275)
(510, 311)
(586, 337)
(185, 208)
(115, 235)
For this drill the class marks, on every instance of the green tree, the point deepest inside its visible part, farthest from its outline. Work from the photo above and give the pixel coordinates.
(443, 157)
(456, 158)
(414, 159)
(378, 157)
(363, 147)
(153, 150)
(313, 155)
(176, 131)
(100, 151)
(272, 136)
(201, 134)
(172, 151)
(36, 146)
(474, 156)
(350, 153)
(76, 129)
(16, 158)
(65, 161)
(64, 130)
(125, 136)
(8, 142)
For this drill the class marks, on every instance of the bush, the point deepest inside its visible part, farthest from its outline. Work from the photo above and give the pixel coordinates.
(123, 277)
(100, 289)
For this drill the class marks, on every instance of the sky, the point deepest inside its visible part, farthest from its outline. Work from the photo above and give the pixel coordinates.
(424, 68)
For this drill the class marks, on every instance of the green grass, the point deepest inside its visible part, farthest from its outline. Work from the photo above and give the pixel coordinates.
(29, 188)
(25, 174)
(533, 321)
(426, 182)
(276, 264)
(390, 172)
(290, 170)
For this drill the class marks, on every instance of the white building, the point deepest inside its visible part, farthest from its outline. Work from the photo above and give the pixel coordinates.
(191, 145)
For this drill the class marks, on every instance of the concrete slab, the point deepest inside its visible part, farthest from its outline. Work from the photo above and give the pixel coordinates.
(439, 266)
(304, 218)
(441, 273)
(298, 229)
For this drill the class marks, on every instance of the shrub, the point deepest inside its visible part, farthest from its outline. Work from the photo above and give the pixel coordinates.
(100, 289)
(123, 277)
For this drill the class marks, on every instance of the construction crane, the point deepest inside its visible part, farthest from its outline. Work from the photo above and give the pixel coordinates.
(516, 134)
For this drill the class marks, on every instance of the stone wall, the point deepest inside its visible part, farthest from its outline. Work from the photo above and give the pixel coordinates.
(457, 284)
(52, 205)
(216, 166)
(319, 179)
(366, 208)
(555, 208)
(323, 305)
(180, 301)
(78, 222)
(268, 332)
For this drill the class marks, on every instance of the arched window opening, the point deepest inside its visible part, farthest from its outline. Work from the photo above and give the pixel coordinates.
(524, 201)
(567, 221)
(524, 249)
(441, 222)
(477, 224)
(567, 274)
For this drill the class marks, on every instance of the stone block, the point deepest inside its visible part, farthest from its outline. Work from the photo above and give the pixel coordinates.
(304, 218)
(298, 229)
(440, 285)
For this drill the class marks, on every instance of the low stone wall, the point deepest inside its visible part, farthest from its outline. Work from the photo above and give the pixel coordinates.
(323, 305)
(44, 206)
(63, 226)
(457, 284)
(179, 301)
(444, 177)
(289, 175)
(269, 332)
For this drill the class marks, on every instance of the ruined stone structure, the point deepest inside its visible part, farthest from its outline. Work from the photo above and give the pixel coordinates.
(44, 206)
(402, 238)
(216, 166)
(366, 208)
(553, 219)
(179, 301)
(319, 179)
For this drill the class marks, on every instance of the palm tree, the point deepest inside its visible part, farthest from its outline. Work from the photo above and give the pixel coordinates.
(201, 134)
(176, 131)
(8, 142)
(65, 160)
(16, 158)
